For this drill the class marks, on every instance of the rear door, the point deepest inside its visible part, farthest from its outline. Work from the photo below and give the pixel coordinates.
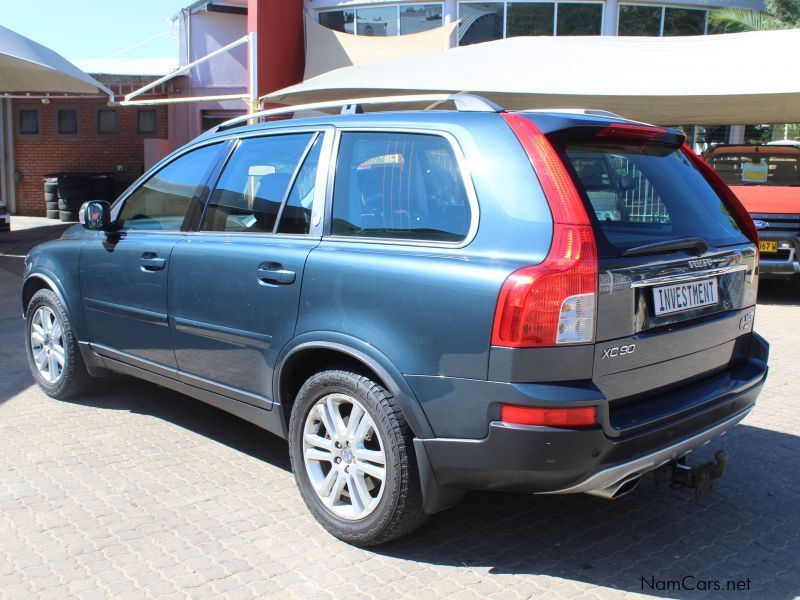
(677, 276)
(235, 284)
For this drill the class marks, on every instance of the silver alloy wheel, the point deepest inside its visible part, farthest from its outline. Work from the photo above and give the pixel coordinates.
(47, 344)
(344, 456)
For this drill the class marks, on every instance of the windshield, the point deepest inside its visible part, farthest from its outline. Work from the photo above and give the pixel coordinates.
(764, 167)
(649, 194)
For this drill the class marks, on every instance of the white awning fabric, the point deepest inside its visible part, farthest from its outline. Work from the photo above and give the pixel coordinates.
(716, 79)
(26, 66)
(327, 49)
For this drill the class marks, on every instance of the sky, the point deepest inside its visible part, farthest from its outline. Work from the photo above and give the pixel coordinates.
(80, 30)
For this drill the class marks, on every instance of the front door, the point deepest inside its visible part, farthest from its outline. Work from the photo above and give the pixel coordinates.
(124, 273)
(235, 284)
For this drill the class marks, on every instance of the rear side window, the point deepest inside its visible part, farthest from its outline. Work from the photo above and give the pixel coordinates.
(399, 185)
(161, 202)
(254, 183)
(644, 195)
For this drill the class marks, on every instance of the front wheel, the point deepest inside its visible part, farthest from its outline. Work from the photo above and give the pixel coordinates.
(53, 354)
(353, 459)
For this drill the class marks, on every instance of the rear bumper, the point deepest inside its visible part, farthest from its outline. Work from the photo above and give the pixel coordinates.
(547, 460)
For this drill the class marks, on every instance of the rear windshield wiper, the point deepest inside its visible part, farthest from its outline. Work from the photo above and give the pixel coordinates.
(698, 244)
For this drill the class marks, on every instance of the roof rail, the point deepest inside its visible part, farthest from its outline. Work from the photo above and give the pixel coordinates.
(463, 102)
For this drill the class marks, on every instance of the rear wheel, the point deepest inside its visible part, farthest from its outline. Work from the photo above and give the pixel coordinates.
(53, 354)
(353, 459)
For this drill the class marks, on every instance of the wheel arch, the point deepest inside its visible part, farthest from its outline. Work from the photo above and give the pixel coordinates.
(39, 281)
(309, 353)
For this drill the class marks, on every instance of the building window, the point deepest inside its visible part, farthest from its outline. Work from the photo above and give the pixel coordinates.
(639, 20)
(29, 121)
(212, 118)
(107, 121)
(420, 17)
(479, 22)
(684, 21)
(530, 18)
(339, 20)
(579, 18)
(146, 121)
(660, 21)
(381, 21)
(67, 121)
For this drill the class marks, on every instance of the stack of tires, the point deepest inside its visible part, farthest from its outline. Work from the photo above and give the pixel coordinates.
(73, 190)
(51, 197)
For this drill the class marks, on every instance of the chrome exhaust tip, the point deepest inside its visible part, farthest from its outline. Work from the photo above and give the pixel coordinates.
(617, 490)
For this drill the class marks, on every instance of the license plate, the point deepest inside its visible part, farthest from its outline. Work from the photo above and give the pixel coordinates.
(768, 246)
(685, 296)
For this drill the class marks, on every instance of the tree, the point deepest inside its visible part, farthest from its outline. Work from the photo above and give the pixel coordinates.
(780, 14)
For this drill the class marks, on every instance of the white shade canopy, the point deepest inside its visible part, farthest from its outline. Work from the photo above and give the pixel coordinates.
(715, 79)
(26, 66)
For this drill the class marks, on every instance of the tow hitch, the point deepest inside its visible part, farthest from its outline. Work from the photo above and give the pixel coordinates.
(699, 479)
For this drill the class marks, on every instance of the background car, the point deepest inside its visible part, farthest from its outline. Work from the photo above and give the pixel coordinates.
(766, 178)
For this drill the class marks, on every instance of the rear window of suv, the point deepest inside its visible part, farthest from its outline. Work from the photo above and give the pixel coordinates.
(649, 194)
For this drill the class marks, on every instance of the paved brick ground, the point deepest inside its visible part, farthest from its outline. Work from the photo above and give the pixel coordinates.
(137, 492)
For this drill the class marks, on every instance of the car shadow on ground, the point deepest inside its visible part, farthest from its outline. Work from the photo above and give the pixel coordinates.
(119, 392)
(783, 292)
(729, 535)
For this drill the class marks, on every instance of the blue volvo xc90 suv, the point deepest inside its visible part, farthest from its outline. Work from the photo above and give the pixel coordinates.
(422, 302)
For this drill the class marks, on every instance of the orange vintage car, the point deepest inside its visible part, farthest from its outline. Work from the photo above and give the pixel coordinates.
(766, 179)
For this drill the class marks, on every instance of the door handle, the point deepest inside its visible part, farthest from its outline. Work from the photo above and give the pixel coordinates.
(274, 273)
(151, 262)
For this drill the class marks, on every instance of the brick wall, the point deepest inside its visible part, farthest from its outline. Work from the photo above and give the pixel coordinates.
(88, 151)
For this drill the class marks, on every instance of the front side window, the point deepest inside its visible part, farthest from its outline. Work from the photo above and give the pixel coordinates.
(399, 185)
(254, 183)
(161, 203)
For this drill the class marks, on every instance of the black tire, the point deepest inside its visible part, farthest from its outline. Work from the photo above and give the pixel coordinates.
(399, 510)
(50, 197)
(51, 186)
(68, 216)
(51, 205)
(75, 379)
(53, 214)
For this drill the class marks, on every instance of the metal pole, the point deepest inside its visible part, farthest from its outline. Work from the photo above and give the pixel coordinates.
(11, 185)
(3, 174)
(252, 64)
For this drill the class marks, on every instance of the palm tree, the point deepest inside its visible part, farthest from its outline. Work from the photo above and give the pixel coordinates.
(780, 14)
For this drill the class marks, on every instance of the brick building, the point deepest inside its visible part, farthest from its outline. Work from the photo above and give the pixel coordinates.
(84, 134)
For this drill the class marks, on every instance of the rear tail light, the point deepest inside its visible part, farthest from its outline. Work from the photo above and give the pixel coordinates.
(582, 416)
(737, 209)
(553, 302)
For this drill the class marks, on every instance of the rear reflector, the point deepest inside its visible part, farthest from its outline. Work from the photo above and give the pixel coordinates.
(583, 416)
(729, 199)
(552, 302)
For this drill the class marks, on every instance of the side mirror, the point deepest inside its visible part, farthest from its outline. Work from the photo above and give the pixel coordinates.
(96, 215)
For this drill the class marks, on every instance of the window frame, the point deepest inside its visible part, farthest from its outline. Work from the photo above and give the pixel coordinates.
(202, 188)
(18, 115)
(320, 191)
(463, 170)
(56, 114)
(395, 6)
